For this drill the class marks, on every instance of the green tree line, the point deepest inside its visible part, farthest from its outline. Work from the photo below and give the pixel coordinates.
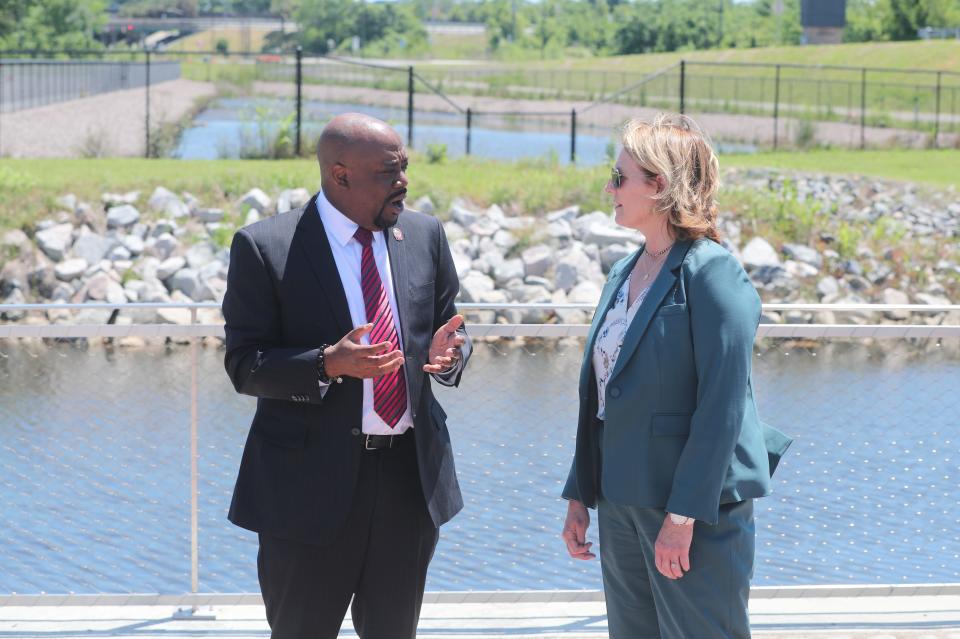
(515, 28)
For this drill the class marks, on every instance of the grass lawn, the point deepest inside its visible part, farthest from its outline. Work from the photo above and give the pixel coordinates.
(940, 168)
(29, 188)
(941, 55)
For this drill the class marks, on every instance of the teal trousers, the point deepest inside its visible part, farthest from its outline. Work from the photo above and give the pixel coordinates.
(708, 602)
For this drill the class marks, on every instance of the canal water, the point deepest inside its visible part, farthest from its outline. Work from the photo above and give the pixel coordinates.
(95, 470)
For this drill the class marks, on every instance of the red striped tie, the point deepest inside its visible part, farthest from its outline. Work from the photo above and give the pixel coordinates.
(390, 390)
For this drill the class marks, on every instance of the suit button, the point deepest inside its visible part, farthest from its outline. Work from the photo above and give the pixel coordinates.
(354, 431)
(615, 392)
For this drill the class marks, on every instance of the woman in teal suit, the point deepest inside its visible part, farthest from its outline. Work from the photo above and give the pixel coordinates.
(669, 446)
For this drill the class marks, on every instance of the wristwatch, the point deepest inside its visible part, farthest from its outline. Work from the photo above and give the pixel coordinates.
(321, 369)
(680, 520)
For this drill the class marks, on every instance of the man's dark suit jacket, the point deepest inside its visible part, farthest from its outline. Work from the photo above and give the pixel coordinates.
(284, 299)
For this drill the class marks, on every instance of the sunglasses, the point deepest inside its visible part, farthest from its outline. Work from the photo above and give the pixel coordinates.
(616, 177)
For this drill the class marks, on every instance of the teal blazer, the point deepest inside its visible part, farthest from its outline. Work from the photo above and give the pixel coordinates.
(681, 430)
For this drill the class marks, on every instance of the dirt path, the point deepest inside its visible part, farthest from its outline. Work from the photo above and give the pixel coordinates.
(108, 124)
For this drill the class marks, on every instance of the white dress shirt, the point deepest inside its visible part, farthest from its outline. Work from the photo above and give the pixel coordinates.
(347, 252)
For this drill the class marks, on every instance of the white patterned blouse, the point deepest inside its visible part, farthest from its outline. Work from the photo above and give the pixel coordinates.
(606, 348)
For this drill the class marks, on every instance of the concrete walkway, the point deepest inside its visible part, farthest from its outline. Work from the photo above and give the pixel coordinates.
(875, 612)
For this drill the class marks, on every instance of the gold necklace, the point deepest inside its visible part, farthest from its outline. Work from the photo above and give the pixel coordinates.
(658, 253)
(655, 261)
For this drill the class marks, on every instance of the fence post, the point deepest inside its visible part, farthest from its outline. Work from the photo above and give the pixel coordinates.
(573, 136)
(683, 79)
(1, 104)
(194, 454)
(410, 107)
(469, 120)
(776, 108)
(863, 107)
(936, 119)
(146, 150)
(299, 79)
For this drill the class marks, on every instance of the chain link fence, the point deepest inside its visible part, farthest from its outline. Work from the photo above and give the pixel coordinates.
(97, 454)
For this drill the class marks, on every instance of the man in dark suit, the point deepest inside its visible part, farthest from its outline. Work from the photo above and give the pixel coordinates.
(337, 315)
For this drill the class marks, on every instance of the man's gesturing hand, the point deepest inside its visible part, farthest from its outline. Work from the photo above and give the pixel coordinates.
(350, 357)
(445, 348)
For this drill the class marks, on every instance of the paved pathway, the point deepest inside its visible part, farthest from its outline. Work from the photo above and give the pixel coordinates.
(838, 613)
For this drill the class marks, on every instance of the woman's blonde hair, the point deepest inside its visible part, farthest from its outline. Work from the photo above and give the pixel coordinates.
(676, 148)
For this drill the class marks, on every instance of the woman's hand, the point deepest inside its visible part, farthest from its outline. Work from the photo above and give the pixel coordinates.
(672, 550)
(575, 531)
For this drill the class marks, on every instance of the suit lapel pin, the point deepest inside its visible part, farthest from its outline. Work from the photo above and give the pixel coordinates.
(397, 234)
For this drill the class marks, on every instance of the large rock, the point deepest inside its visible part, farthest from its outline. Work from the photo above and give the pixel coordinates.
(134, 244)
(122, 216)
(424, 204)
(119, 255)
(560, 230)
(537, 260)
(55, 241)
(474, 285)
(164, 227)
(757, 253)
(215, 269)
(292, 199)
(16, 242)
(602, 234)
(187, 281)
(165, 245)
(504, 240)
(103, 288)
(610, 255)
(484, 227)
(71, 269)
(462, 263)
(800, 269)
(828, 286)
(154, 292)
(462, 215)
(508, 270)
(199, 255)
(170, 266)
(92, 247)
(582, 224)
(893, 296)
(16, 296)
(568, 214)
(209, 216)
(13, 274)
(256, 200)
(932, 300)
(804, 254)
(584, 293)
(166, 202)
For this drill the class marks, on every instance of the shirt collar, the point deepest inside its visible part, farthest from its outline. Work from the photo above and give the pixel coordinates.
(341, 226)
